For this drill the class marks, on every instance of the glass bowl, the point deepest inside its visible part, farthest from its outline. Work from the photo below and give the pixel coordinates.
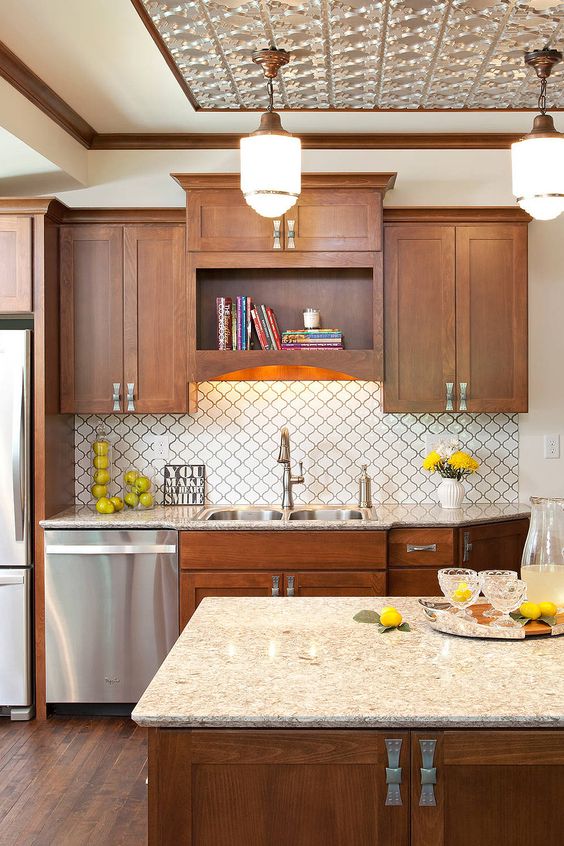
(461, 588)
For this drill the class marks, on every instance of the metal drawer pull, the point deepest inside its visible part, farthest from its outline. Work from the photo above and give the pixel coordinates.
(426, 547)
(277, 245)
(130, 396)
(467, 547)
(290, 243)
(393, 772)
(428, 773)
(291, 591)
(276, 586)
(126, 549)
(449, 396)
(463, 397)
(116, 396)
(11, 580)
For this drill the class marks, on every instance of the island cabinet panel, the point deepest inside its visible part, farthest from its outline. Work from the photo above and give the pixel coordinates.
(491, 316)
(274, 788)
(502, 787)
(419, 298)
(289, 550)
(155, 357)
(15, 265)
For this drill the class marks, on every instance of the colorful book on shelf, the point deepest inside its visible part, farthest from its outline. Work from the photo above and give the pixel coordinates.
(267, 327)
(311, 335)
(320, 346)
(233, 326)
(223, 310)
(274, 328)
(263, 340)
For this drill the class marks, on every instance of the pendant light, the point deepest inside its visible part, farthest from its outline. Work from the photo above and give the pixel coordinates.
(270, 156)
(538, 159)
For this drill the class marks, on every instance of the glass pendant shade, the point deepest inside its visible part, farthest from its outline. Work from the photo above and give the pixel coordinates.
(538, 175)
(271, 168)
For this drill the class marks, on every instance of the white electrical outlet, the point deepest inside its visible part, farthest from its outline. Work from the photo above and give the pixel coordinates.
(159, 447)
(552, 446)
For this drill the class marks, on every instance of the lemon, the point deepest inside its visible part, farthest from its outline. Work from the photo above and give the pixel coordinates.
(99, 491)
(530, 610)
(100, 447)
(390, 617)
(117, 502)
(548, 609)
(461, 594)
(104, 506)
(387, 608)
(101, 477)
(101, 462)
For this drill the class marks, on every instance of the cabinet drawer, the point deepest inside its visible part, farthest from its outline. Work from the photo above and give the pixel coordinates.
(422, 547)
(414, 581)
(316, 550)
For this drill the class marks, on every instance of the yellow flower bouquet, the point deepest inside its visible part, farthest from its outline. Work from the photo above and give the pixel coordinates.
(450, 462)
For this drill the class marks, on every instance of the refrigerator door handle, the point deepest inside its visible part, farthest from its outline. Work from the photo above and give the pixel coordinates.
(11, 580)
(18, 457)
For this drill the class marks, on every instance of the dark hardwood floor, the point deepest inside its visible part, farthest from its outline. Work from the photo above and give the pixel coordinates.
(73, 781)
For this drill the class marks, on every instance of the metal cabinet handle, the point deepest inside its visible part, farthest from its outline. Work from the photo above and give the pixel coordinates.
(11, 580)
(276, 586)
(449, 396)
(18, 457)
(130, 396)
(428, 547)
(463, 396)
(393, 772)
(467, 547)
(290, 243)
(116, 396)
(291, 591)
(277, 245)
(428, 773)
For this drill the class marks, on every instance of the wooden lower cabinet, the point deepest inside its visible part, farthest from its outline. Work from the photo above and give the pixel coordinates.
(273, 788)
(319, 583)
(493, 545)
(328, 788)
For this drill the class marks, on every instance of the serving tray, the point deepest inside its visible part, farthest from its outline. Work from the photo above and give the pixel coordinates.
(441, 619)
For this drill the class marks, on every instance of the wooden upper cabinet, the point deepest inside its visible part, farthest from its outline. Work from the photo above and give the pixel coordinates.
(91, 318)
(15, 265)
(219, 220)
(335, 220)
(491, 317)
(155, 330)
(419, 322)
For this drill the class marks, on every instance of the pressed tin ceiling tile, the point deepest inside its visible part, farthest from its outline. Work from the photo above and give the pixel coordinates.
(362, 55)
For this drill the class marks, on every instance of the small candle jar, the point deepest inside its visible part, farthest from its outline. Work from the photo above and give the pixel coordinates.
(312, 318)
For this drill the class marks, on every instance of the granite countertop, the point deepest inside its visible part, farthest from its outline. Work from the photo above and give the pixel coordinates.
(380, 517)
(304, 662)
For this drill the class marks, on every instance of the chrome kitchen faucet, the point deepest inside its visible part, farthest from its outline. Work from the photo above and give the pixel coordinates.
(287, 479)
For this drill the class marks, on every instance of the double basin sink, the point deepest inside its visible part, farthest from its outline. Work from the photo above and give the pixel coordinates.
(252, 514)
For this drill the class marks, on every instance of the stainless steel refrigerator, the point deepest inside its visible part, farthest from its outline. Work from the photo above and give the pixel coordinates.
(16, 573)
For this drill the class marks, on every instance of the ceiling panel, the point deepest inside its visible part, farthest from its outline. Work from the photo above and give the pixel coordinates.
(415, 55)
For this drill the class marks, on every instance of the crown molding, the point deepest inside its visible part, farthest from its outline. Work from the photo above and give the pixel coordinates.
(455, 214)
(378, 181)
(24, 80)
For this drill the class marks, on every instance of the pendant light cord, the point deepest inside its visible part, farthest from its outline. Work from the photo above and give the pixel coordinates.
(270, 90)
(542, 97)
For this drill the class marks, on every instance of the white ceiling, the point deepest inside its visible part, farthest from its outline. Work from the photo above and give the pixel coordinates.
(98, 56)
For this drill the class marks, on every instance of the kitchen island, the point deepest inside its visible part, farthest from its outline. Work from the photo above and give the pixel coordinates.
(287, 723)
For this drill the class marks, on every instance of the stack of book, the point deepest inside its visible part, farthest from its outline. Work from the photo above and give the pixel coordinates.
(235, 321)
(312, 339)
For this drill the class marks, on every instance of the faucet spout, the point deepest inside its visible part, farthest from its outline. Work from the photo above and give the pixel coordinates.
(288, 481)
(284, 454)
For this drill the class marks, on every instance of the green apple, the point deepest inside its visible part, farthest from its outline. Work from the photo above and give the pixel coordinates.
(130, 477)
(105, 506)
(146, 500)
(101, 477)
(101, 462)
(99, 491)
(131, 499)
(117, 502)
(142, 483)
(100, 447)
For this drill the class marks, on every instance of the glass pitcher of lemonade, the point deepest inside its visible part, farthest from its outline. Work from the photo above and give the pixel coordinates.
(542, 565)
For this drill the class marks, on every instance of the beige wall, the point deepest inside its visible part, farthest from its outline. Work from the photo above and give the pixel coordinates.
(428, 177)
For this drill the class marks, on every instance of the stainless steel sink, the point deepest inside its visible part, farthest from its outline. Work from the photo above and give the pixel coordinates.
(326, 514)
(248, 514)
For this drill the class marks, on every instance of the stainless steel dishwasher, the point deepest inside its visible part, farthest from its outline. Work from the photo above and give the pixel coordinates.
(111, 612)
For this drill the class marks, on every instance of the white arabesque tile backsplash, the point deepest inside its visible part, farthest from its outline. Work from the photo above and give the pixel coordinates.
(334, 428)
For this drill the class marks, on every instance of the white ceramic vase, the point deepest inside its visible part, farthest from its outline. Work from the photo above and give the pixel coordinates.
(450, 493)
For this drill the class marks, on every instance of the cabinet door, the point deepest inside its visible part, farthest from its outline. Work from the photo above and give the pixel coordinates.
(91, 318)
(221, 221)
(15, 265)
(155, 323)
(491, 317)
(336, 219)
(493, 546)
(502, 787)
(414, 581)
(347, 583)
(196, 586)
(419, 307)
(275, 788)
